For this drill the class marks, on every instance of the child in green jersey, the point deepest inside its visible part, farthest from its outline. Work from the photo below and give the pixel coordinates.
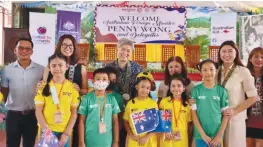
(210, 101)
(98, 122)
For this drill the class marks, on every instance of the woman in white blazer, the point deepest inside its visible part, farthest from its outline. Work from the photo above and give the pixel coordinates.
(241, 90)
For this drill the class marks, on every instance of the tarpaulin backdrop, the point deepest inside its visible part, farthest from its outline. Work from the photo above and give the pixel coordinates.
(68, 23)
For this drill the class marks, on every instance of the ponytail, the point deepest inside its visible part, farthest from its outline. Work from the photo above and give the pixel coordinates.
(46, 90)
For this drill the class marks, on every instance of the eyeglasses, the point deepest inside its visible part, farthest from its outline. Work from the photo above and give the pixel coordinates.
(65, 46)
(20, 48)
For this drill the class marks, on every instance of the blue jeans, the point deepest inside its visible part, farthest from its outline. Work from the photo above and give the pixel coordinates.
(201, 143)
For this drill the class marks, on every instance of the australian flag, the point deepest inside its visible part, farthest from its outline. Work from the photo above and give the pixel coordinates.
(145, 121)
(164, 124)
(48, 139)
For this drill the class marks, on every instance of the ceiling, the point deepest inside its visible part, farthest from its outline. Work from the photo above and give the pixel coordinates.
(240, 6)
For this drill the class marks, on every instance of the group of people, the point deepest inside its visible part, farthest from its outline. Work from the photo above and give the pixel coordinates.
(57, 99)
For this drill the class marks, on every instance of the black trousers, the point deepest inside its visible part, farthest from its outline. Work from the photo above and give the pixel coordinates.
(20, 125)
(122, 137)
(75, 133)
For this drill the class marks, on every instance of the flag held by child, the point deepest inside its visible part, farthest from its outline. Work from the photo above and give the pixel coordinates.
(144, 121)
(48, 139)
(164, 124)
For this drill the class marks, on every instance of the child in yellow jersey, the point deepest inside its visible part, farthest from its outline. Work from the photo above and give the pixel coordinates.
(57, 103)
(141, 102)
(1, 97)
(176, 102)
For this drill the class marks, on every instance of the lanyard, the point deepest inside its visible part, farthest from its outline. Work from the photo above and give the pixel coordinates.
(177, 117)
(60, 91)
(228, 75)
(102, 109)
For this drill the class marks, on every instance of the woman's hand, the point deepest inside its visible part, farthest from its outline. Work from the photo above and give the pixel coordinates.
(76, 86)
(229, 112)
(40, 85)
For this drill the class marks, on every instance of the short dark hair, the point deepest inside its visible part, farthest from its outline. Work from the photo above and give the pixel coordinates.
(101, 71)
(113, 70)
(25, 39)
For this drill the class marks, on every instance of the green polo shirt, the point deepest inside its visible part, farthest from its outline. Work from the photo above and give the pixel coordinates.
(210, 103)
(89, 108)
(119, 99)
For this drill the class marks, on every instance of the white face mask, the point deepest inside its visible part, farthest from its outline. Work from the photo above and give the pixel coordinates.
(101, 85)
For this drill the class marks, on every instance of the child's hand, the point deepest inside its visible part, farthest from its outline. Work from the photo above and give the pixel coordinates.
(82, 145)
(215, 142)
(134, 137)
(191, 101)
(63, 140)
(168, 136)
(206, 138)
(143, 140)
(76, 86)
(115, 144)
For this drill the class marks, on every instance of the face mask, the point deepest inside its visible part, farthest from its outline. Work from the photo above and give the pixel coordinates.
(100, 85)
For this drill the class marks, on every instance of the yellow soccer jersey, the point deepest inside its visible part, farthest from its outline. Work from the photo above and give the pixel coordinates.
(184, 118)
(1, 97)
(135, 107)
(69, 98)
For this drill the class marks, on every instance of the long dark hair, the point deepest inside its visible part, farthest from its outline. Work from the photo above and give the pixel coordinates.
(183, 74)
(46, 90)
(237, 60)
(135, 90)
(184, 94)
(250, 67)
(74, 58)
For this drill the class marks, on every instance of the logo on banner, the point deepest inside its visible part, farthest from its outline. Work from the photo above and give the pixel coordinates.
(69, 26)
(42, 30)
(40, 37)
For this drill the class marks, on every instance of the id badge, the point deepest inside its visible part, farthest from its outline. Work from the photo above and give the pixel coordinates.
(102, 127)
(58, 117)
(177, 136)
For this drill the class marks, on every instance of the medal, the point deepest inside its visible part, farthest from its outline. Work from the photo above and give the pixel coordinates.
(126, 96)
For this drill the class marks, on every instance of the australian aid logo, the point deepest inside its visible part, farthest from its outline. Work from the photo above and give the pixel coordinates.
(41, 37)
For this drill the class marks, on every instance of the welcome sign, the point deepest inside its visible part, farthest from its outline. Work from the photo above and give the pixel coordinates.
(140, 24)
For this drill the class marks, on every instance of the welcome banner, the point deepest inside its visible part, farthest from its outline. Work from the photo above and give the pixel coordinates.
(68, 23)
(223, 27)
(140, 24)
(42, 29)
